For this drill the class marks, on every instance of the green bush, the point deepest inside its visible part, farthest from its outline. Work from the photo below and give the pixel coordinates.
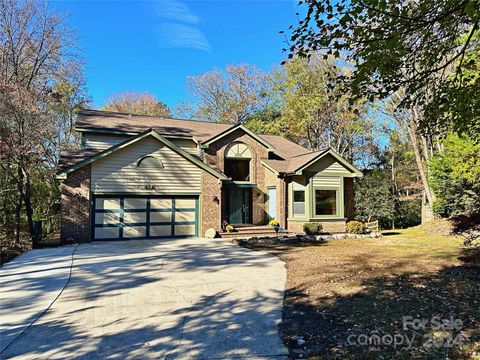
(454, 177)
(312, 228)
(356, 227)
(407, 214)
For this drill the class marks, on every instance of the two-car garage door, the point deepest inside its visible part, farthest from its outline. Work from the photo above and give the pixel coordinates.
(148, 217)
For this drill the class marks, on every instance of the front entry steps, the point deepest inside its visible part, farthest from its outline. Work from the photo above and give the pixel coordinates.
(247, 231)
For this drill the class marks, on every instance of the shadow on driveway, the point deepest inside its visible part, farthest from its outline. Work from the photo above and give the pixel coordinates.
(188, 298)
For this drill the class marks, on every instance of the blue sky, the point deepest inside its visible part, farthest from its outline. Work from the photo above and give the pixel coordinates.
(155, 45)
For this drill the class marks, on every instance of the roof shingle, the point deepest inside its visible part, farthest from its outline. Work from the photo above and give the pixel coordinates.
(288, 155)
(106, 120)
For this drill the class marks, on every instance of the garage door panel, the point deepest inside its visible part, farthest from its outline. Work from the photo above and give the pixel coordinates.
(183, 215)
(107, 218)
(124, 217)
(134, 231)
(160, 216)
(185, 203)
(107, 203)
(185, 230)
(134, 203)
(107, 233)
(160, 230)
(161, 203)
(134, 217)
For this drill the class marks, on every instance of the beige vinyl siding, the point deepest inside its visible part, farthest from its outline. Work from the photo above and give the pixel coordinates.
(102, 141)
(329, 164)
(328, 181)
(105, 141)
(187, 145)
(118, 172)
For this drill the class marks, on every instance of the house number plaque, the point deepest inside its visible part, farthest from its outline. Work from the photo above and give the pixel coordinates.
(149, 187)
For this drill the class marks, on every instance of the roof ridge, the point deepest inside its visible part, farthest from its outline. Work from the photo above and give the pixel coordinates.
(151, 116)
(308, 153)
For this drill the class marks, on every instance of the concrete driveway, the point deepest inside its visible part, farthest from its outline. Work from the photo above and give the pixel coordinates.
(165, 299)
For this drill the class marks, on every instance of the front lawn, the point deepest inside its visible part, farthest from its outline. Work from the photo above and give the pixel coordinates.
(382, 298)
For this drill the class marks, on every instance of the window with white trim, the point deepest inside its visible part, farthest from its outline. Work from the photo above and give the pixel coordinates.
(237, 162)
(298, 202)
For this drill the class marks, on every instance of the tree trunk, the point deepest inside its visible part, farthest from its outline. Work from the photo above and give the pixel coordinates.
(18, 208)
(28, 207)
(419, 159)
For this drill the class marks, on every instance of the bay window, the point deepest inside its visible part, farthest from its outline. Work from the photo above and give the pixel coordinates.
(325, 202)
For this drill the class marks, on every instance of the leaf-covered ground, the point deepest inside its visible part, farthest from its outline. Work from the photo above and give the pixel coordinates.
(367, 298)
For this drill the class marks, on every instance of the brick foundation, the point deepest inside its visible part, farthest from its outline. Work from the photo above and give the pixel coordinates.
(75, 197)
(211, 208)
(330, 225)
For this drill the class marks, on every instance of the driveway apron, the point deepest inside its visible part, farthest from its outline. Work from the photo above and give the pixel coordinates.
(162, 299)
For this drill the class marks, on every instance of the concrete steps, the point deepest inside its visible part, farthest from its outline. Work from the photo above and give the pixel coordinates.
(252, 231)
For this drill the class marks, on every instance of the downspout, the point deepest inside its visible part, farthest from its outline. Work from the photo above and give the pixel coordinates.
(284, 184)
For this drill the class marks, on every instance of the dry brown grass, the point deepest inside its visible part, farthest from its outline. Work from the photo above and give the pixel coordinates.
(362, 286)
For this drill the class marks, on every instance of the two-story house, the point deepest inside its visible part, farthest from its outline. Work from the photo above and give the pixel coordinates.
(147, 177)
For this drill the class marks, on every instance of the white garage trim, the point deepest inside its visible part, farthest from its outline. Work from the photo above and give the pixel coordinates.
(123, 217)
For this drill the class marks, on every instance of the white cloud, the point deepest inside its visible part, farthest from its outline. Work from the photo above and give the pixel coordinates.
(181, 36)
(176, 11)
(177, 26)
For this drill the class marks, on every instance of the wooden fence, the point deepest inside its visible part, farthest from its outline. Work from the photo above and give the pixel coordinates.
(372, 226)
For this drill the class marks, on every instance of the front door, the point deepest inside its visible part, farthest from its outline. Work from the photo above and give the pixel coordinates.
(272, 203)
(239, 206)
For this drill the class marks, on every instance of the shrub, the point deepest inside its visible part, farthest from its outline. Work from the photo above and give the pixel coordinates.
(454, 175)
(273, 222)
(211, 233)
(356, 227)
(312, 228)
(407, 214)
(229, 228)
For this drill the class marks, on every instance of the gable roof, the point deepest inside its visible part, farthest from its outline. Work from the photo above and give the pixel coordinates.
(122, 123)
(284, 148)
(224, 133)
(287, 157)
(296, 164)
(88, 160)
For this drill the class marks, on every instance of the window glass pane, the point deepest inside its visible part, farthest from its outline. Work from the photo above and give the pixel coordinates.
(237, 169)
(299, 208)
(299, 196)
(299, 202)
(150, 162)
(325, 202)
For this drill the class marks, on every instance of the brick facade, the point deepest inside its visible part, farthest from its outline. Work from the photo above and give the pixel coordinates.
(349, 195)
(330, 225)
(215, 155)
(75, 197)
(212, 202)
(75, 194)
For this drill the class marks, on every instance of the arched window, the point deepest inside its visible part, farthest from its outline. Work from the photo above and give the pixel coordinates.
(237, 161)
(150, 161)
(238, 150)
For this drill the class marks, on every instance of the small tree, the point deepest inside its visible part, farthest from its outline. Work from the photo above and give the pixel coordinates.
(140, 103)
(373, 197)
(231, 95)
